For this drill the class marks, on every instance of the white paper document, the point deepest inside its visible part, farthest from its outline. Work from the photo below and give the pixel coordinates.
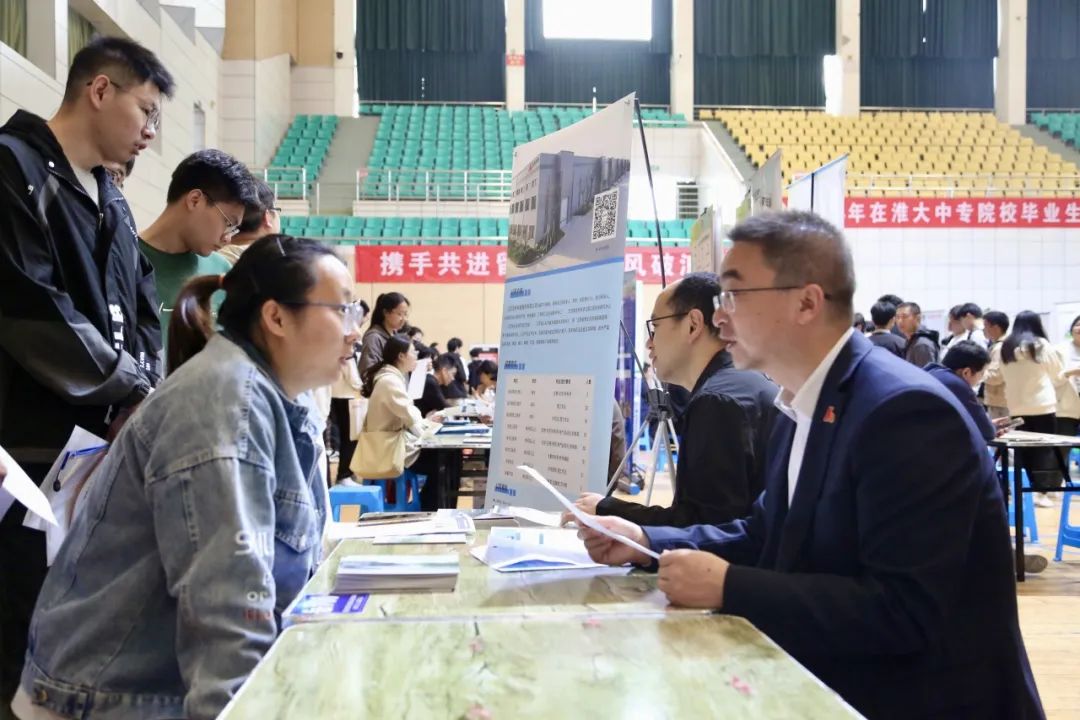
(525, 549)
(64, 485)
(416, 379)
(432, 539)
(18, 487)
(437, 525)
(583, 518)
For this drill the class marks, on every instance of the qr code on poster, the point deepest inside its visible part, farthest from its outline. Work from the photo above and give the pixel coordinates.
(605, 215)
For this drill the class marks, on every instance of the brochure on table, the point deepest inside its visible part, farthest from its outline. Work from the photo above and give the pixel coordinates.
(529, 549)
(561, 309)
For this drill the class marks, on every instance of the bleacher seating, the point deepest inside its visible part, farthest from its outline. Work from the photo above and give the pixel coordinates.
(412, 139)
(305, 146)
(447, 230)
(1065, 125)
(974, 150)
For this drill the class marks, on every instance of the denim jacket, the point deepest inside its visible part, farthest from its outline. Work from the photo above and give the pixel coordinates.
(201, 525)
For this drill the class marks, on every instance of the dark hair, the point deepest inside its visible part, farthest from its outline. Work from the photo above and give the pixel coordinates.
(912, 306)
(489, 368)
(124, 61)
(422, 350)
(894, 300)
(453, 344)
(396, 346)
(218, 174)
(1073, 323)
(445, 361)
(276, 267)
(413, 331)
(696, 292)
(385, 303)
(1027, 329)
(998, 319)
(802, 248)
(970, 309)
(954, 312)
(435, 346)
(858, 322)
(882, 313)
(255, 213)
(966, 354)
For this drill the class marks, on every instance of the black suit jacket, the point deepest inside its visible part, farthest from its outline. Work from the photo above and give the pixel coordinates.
(890, 577)
(724, 430)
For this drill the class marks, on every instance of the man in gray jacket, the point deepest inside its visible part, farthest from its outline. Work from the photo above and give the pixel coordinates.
(922, 343)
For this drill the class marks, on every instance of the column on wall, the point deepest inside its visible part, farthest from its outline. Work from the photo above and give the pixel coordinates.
(1010, 95)
(515, 55)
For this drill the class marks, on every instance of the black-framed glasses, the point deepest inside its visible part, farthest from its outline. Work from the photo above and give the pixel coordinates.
(726, 298)
(650, 324)
(352, 314)
(153, 116)
(231, 226)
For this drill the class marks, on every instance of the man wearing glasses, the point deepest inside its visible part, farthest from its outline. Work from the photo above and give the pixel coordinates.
(261, 219)
(725, 425)
(891, 581)
(79, 333)
(207, 198)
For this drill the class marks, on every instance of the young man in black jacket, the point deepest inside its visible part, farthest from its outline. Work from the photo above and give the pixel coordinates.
(79, 332)
(724, 427)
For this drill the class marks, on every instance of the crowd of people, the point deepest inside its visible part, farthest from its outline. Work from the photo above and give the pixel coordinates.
(210, 351)
(1010, 365)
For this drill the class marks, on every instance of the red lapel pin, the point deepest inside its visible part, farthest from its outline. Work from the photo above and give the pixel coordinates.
(830, 415)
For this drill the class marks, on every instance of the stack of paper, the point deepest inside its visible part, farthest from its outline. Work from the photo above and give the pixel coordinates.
(308, 608)
(396, 573)
(450, 521)
(533, 548)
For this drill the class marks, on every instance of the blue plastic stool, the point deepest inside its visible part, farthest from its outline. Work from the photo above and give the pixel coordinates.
(1068, 535)
(407, 491)
(368, 497)
(1031, 528)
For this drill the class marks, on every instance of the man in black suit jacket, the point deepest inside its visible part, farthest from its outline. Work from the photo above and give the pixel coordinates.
(726, 424)
(891, 581)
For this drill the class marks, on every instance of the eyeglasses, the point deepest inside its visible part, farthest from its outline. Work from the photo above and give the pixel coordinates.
(352, 314)
(650, 324)
(153, 115)
(231, 226)
(726, 298)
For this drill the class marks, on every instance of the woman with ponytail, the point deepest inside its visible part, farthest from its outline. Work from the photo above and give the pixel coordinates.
(392, 418)
(389, 317)
(205, 518)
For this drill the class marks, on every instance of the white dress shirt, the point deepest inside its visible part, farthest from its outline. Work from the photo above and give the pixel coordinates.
(800, 409)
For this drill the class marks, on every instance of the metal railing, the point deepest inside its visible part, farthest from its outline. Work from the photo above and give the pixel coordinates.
(291, 188)
(433, 184)
(988, 185)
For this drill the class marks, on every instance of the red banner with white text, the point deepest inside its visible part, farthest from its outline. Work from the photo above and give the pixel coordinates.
(961, 212)
(486, 264)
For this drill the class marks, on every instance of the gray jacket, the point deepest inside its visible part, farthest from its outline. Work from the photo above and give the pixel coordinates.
(371, 347)
(202, 523)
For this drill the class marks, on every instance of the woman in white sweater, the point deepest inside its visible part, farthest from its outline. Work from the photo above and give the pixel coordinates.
(1070, 355)
(390, 409)
(1031, 370)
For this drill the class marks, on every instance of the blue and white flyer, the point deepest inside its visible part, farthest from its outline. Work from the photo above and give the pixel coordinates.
(561, 310)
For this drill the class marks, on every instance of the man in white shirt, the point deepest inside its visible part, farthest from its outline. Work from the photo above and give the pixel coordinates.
(881, 576)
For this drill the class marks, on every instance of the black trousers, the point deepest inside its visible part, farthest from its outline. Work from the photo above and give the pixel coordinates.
(1067, 426)
(339, 414)
(22, 572)
(1041, 463)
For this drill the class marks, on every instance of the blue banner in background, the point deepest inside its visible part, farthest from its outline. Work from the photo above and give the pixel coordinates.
(561, 310)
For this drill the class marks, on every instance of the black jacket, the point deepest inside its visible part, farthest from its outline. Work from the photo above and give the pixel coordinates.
(922, 347)
(890, 341)
(79, 331)
(724, 429)
(457, 389)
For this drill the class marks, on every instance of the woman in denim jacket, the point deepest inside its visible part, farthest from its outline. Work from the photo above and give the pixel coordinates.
(205, 519)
